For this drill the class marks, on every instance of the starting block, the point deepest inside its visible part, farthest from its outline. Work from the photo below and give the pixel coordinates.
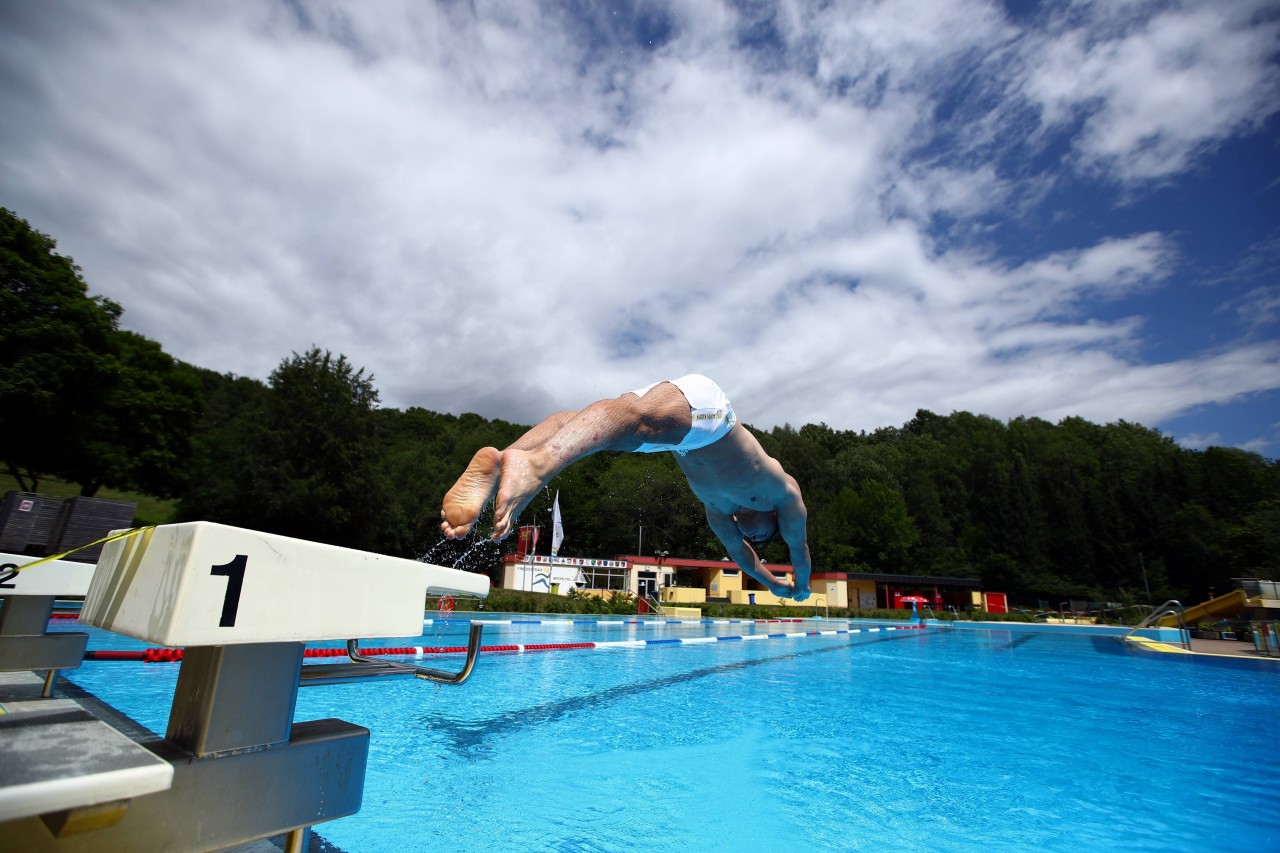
(28, 597)
(243, 603)
(202, 584)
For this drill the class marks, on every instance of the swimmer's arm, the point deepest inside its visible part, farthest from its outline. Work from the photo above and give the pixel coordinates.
(726, 530)
(793, 524)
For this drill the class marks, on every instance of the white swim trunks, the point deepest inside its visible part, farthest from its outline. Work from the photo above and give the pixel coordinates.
(712, 414)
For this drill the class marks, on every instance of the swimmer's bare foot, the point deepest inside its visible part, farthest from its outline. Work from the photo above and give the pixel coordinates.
(463, 503)
(523, 475)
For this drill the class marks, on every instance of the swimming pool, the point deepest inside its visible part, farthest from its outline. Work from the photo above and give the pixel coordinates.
(944, 739)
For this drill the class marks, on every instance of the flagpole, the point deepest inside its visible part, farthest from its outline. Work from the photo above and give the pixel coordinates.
(557, 531)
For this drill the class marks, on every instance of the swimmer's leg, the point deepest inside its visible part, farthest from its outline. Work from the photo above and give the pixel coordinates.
(463, 503)
(623, 423)
(541, 433)
(524, 473)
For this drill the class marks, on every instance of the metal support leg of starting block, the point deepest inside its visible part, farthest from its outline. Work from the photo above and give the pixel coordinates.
(235, 697)
(26, 645)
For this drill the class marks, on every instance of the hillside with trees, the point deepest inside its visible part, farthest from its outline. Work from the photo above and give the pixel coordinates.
(1038, 509)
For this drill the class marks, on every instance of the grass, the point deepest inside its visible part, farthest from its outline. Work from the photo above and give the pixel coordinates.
(150, 510)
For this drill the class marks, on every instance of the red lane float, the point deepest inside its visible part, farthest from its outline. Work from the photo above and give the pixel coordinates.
(163, 655)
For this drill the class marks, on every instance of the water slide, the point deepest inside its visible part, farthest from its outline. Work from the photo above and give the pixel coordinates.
(1223, 607)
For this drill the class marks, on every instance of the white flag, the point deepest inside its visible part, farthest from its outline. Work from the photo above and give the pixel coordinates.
(557, 529)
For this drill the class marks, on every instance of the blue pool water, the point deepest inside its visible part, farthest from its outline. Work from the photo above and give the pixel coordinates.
(942, 739)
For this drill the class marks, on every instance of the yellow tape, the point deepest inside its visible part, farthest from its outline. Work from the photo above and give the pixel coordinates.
(110, 537)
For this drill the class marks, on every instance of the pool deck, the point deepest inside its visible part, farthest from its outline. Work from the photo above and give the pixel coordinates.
(1212, 651)
(1234, 648)
(1207, 651)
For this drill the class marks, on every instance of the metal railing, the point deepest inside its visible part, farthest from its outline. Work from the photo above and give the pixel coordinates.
(364, 667)
(654, 605)
(1172, 607)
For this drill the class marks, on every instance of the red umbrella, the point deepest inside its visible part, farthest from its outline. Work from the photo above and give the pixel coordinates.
(914, 599)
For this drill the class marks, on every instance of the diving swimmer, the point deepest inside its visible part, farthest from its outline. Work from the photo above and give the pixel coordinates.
(747, 495)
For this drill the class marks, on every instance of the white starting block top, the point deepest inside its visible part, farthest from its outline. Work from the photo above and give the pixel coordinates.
(206, 584)
(56, 577)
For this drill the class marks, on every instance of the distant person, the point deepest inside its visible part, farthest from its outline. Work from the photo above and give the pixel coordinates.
(748, 497)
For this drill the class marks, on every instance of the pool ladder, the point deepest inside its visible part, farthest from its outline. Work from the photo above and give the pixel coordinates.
(1172, 607)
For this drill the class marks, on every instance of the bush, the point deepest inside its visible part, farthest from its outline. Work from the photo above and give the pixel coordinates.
(516, 601)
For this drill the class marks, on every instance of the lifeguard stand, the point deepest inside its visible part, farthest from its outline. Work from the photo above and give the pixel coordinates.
(233, 767)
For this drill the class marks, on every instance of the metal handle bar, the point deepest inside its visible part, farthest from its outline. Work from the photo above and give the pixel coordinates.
(438, 675)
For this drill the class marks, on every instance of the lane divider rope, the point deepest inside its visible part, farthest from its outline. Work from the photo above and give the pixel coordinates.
(607, 623)
(464, 620)
(164, 655)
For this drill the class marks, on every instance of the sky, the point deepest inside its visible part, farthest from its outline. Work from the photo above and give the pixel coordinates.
(843, 212)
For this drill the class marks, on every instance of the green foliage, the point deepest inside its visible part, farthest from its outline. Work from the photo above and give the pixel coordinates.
(1075, 509)
(140, 437)
(515, 601)
(57, 353)
(616, 603)
(80, 398)
(1254, 543)
(865, 525)
(299, 458)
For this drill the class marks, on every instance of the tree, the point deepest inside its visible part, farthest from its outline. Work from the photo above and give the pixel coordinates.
(57, 348)
(139, 439)
(868, 524)
(229, 424)
(300, 458)
(1256, 541)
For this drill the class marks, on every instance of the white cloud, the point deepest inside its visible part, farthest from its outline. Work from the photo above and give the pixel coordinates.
(1200, 441)
(1153, 93)
(1260, 307)
(494, 211)
(1261, 446)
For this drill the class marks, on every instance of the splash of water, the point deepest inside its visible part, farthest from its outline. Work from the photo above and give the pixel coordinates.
(430, 555)
(468, 552)
(479, 556)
